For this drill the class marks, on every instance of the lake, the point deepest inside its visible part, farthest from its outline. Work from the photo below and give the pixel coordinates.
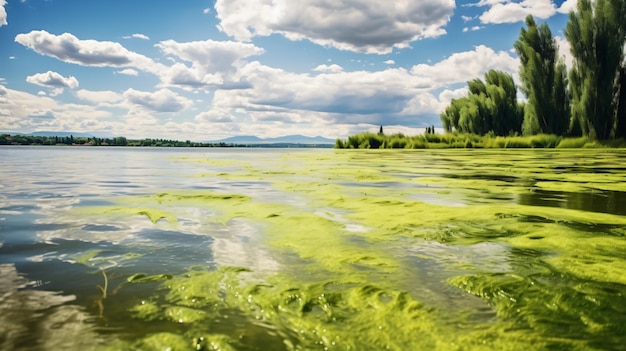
(299, 249)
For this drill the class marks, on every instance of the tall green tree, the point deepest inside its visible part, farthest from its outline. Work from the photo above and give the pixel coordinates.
(489, 106)
(544, 80)
(620, 96)
(597, 35)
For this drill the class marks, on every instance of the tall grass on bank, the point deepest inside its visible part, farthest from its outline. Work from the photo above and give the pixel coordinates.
(369, 140)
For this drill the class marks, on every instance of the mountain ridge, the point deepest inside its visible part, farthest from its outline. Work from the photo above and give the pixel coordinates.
(287, 139)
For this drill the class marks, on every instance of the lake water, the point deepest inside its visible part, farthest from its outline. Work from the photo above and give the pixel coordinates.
(298, 249)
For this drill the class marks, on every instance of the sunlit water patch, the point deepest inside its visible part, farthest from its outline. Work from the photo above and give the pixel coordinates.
(238, 249)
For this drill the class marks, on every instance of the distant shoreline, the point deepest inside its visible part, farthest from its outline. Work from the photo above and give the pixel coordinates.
(225, 146)
(61, 141)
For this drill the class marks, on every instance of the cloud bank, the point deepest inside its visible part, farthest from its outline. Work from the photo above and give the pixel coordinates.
(366, 26)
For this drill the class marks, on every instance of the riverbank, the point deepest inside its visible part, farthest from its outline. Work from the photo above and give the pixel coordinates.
(461, 140)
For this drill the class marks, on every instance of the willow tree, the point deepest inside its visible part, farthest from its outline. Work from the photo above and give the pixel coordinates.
(597, 37)
(489, 106)
(544, 80)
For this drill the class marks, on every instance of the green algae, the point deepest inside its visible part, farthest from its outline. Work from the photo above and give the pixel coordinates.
(290, 229)
(180, 314)
(142, 278)
(313, 315)
(560, 285)
(146, 310)
(163, 341)
(559, 306)
(175, 342)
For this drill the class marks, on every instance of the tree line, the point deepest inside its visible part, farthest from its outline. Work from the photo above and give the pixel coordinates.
(588, 101)
(7, 139)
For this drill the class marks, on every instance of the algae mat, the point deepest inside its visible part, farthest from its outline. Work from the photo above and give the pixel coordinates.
(351, 250)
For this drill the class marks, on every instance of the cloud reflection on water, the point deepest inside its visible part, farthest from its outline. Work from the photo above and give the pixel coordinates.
(41, 320)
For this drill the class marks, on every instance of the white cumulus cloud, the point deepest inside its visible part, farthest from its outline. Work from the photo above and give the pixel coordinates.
(473, 29)
(464, 66)
(568, 6)
(99, 97)
(214, 55)
(137, 36)
(368, 26)
(163, 100)
(53, 80)
(68, 48)
(129, 72)
(3, 13)
(334, 68)
(212, 62)
(360, 92)
(507, 11)
(220, 115)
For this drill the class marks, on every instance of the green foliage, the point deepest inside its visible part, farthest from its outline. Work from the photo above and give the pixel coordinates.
(365, 141)
(573, 143)
(586, 142)
(592, 103)
(490, 106)
(531, 141)
(458, 140)
(544, 81)
(597, 34)
(620, 123)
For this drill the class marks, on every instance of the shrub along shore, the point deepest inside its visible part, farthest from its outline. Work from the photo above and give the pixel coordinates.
(369, 140)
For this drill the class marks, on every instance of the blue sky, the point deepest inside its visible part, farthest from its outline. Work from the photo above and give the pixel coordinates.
(206, 70)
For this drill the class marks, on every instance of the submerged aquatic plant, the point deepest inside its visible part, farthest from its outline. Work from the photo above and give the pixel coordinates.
(103, 289)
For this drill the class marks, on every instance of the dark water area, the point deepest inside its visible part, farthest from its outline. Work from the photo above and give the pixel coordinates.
(612, 202)
(244, 249)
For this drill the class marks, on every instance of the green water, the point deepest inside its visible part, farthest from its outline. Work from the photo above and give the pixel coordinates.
(326, 250)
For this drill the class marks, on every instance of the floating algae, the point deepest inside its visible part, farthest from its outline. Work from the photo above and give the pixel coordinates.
(554, 280)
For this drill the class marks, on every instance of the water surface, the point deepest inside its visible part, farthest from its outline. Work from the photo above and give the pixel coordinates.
(255, 249)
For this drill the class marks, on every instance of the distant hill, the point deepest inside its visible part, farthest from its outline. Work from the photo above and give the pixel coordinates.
(289, 139)
(62, 134)
(244, 139)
